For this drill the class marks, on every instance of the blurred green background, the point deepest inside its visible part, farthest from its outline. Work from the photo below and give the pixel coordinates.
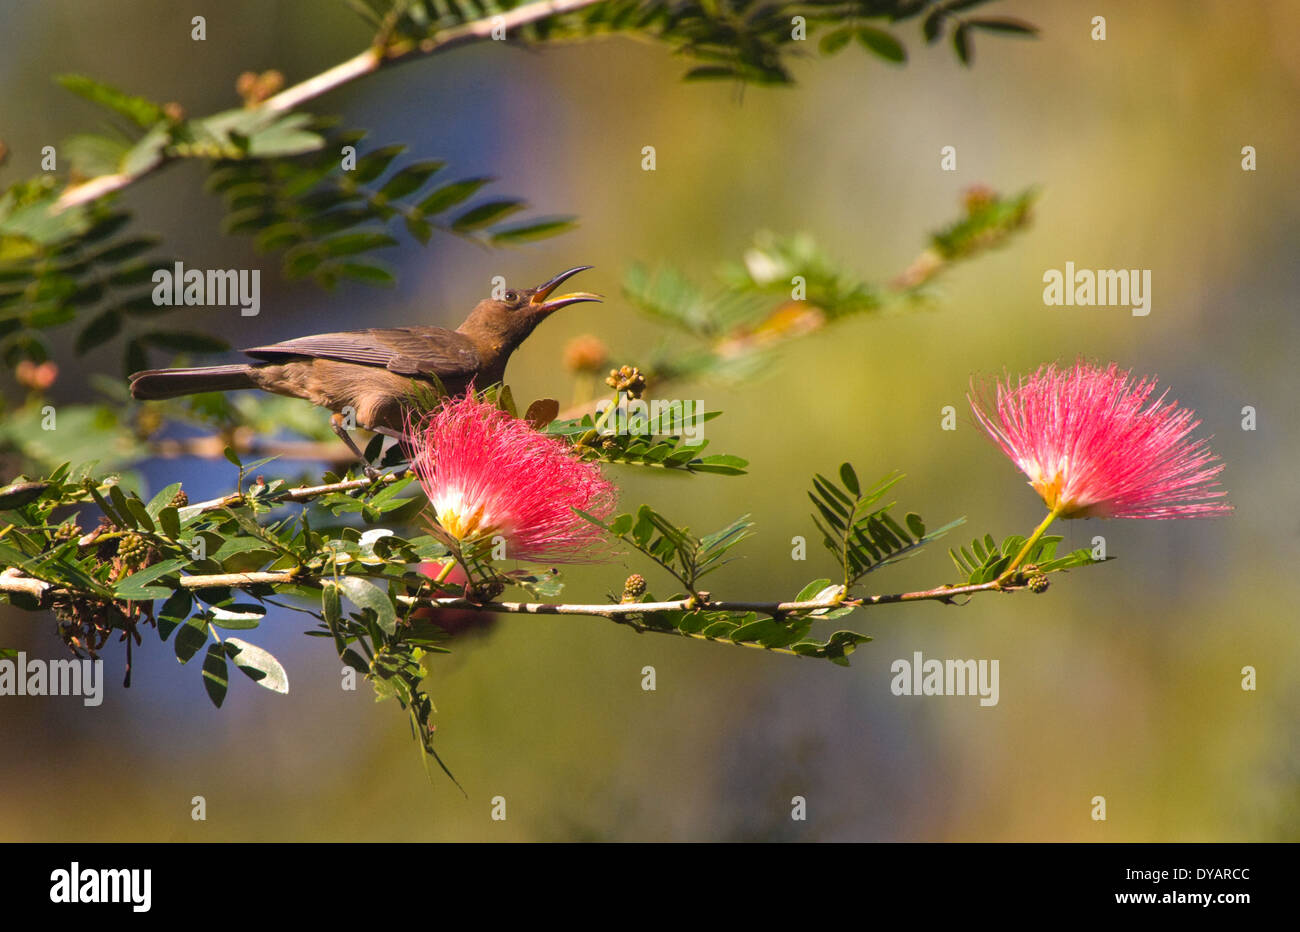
(1122, 681)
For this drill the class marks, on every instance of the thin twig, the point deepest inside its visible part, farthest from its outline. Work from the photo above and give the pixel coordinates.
(300, 494)
(374, 58)
(10, 581)
(358, 65)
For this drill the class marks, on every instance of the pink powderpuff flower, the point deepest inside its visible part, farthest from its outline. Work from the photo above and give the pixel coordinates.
(1094, 445)
(486, 474)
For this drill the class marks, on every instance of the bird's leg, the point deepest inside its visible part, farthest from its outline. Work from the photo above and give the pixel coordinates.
(336, 424)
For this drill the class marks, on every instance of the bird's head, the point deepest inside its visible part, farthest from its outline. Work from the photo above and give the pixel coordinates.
(508, 320)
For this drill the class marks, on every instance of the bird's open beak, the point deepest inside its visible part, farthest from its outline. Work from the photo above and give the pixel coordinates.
(542, 292)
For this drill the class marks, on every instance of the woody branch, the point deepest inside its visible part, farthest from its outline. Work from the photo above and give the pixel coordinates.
(12, 581)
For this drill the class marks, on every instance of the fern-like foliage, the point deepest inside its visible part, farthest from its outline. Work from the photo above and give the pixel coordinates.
(283, 180)
(786, 633)
(687, 557)
(660, 451)
(58, 266)
(787, 286)
(325, 218)
(154, 132)
(989, 222)
(773, 262)
(746, 40)
(984, 560)
(859, 532)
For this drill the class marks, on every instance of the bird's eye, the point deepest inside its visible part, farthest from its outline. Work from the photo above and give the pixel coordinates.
(512, 297)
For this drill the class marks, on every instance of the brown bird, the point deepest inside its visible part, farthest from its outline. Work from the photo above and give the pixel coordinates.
(370, 372)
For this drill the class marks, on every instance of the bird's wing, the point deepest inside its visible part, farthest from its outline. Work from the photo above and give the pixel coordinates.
(412, 351)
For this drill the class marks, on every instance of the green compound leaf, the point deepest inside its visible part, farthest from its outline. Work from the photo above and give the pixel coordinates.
(860, 532)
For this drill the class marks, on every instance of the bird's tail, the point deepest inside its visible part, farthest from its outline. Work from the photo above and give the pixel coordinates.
(155, 384)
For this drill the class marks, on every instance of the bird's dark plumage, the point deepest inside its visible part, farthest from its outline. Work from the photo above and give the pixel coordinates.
(369, 373)
(413, 351)
(156, 384)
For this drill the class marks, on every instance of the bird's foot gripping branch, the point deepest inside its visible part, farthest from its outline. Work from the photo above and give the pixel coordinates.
(388, 567)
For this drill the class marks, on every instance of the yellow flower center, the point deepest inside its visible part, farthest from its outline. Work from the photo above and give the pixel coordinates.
(1049, 489)
(462, 521)
(1050, 484)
